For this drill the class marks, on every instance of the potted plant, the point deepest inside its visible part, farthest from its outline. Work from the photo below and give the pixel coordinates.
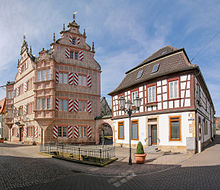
(1, 140)
(140, 155)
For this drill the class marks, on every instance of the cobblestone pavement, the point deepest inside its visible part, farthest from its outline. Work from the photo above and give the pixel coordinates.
(22, 168)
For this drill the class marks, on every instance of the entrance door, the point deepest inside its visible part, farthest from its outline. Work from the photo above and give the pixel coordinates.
(21, 134)
(153, 134)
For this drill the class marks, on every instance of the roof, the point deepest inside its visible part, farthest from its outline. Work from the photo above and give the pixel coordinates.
(172, 61)
(2, 106)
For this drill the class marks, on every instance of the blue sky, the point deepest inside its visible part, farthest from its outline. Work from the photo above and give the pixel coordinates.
(125, 32)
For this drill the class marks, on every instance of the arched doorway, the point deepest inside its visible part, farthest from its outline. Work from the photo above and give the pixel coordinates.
(105, 134)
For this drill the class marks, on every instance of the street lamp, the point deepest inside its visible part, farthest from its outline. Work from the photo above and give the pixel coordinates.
(128, 107)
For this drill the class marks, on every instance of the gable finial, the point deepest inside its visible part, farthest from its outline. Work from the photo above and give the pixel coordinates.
(30, 51)
(84, 32)
(74, 16)
(24, 36)
(63, 27)
(54, 39)
(93, 47)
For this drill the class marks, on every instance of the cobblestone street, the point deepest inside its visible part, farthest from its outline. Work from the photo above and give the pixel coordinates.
(21, 167)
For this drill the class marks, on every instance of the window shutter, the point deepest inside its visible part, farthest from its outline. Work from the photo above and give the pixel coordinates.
(35, 132)
(76, 79)
(57, 77)
(70, 39)
(17, 91)
(70, 105)
(89, 132)
(25, 86)
(25, 131)
(70, 78)
(67, 53)
(19, 70)
(89, 106)
(89, 81)
(81, 55)
(70, 132)
(76, 105)
(57, 104)
(78, 41)
(25, 109)
(55, 132)
(76, 131)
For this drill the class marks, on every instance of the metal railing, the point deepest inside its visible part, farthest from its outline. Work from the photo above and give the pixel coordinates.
(91, 153)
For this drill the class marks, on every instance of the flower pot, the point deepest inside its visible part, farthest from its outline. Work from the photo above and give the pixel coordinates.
(1, 140)
(140, 158)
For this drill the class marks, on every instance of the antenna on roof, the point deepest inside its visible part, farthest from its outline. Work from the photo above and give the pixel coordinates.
(203, 48)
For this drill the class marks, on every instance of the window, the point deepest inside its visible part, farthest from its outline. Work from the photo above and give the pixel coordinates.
(48, 103)
(62, 132)
(48, 74)
(82, 106)
(30, 131)
(10, 94)
(206, 128)
(155, 68)
(44, 75)
(59, 131)
(38, 103)
(43, 103)
(134, 95)
(121, 130)
(152, 94)
(139, 74)
(76, 55)
(63, 78)
(134, 130)
(174, 89)
(38, 76)
(63, 105)
(175, 129)
(32, 107)
(60, 105)
(163, 52)
(82, 132)
(71, 55)
(82, 80)
(74, 41)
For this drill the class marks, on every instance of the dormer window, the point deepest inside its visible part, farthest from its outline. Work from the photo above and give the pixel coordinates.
(163, 52)
(155, 68)
(139, 74)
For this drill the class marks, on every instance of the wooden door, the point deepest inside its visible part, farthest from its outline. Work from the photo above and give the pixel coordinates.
(153, 134)
(21, 130)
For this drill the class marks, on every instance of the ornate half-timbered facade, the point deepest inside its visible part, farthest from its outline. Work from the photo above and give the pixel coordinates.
(56, 96)
(176, 111)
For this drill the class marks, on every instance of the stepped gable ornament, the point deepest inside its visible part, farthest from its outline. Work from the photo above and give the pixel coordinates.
(84, 32)
(74, 24)
(24, 46)
(93, 48)
(54, 39)
(30, 52)
(63, 27)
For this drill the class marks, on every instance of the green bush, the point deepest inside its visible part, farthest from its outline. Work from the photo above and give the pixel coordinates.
(140, 149)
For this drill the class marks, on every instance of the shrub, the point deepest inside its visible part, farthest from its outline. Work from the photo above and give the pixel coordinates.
(140, 149)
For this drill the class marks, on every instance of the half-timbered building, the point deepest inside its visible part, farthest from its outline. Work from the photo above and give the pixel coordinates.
(176, 112)
(56, 96)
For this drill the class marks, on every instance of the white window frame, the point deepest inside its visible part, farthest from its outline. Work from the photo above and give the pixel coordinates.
(151, 94)
(174, 89)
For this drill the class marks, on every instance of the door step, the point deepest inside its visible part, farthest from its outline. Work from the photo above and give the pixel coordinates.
(152, 149)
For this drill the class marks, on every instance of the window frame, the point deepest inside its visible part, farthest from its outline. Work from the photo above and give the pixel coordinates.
(81, 131)
(80, 105)
(168, 88)
(81, 82)
(62, 131)
(62, 100)
(131, 93)
(150, 86)
(134, 121)
(121, 123)
(61, 75)
(179, 119)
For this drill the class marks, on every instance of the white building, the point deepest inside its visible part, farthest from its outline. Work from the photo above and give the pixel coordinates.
(176, 112)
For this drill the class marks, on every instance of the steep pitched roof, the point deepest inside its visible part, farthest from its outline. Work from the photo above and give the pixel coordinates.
(169, 59)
